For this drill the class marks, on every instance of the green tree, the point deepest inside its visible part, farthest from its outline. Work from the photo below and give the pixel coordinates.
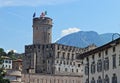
(12, 55)
(2, 52)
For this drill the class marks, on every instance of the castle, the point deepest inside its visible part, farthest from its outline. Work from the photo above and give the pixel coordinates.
(44, 57)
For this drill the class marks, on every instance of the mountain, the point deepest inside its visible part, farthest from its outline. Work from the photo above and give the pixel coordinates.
(85, 38)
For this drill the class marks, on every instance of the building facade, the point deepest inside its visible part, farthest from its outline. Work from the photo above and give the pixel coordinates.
(102, 65)
(7, 62)
(38, 78)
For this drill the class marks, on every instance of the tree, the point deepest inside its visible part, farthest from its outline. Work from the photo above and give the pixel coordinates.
(12, 55)
(2, 52)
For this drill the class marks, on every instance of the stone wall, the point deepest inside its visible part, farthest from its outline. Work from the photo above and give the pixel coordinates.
(37, 78)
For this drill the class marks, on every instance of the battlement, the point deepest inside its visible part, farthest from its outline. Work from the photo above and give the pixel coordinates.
(42, 21)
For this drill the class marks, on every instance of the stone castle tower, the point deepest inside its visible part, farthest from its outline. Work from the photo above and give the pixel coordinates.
(42, 30)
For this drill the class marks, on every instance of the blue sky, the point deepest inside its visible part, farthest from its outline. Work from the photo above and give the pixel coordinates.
(102, 16)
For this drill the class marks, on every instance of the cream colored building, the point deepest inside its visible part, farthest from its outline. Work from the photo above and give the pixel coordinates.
(102, 65)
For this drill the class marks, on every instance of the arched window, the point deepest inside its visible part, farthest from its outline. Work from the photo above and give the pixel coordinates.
(99, 80)
(106, 79)
(114, 78)
(93, 80)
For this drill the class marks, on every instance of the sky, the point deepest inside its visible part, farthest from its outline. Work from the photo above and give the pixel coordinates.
(102, 16)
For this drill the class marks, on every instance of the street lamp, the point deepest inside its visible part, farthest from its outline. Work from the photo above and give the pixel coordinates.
(114, 35)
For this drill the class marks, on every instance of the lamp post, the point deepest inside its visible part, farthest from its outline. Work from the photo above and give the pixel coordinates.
(114, 35)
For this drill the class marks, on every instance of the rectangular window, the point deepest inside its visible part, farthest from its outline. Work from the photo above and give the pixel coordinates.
(106, 52)
(65, 69)
(63, 55)
(119, 60)
(106, 63)
(86, 69)
(114, 49)
(58, 55)
(6, 61)
(114, 61)
(93, 67)
(9, 61)
(78, 65)
(99, 65)
(68, 56)
(72, 56)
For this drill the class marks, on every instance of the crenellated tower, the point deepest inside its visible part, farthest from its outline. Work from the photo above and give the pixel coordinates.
(42, 30)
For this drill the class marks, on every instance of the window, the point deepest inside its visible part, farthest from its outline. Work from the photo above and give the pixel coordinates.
(63, 55)
(9, 61)
(114, 49)
(64, 62)
(114, 61)
(93, 80)
(59, 69)
(106, 52)
(72, 56)
(106, 79)
(9, 66)
(43, 61)
(48, 61)
(65, 69)
(119, 60)
(78, 65)
(114, 78)
(61, 62)
(57, 61)
(72, 70)
(106, 63)
(93, 67)
(99, 55)
(6, 61)
(87, 59)
(99, 65)
(99, 80)
(73, 63)
(68, 56)
(87, 81)
(70, 63)
(67, 62)
(93, 57)
(58, 55)
(86, 69)
(76, 70)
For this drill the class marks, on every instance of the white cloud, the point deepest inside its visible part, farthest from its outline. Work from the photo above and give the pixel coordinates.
(32, 2)
(69, 31)
(13, 51)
